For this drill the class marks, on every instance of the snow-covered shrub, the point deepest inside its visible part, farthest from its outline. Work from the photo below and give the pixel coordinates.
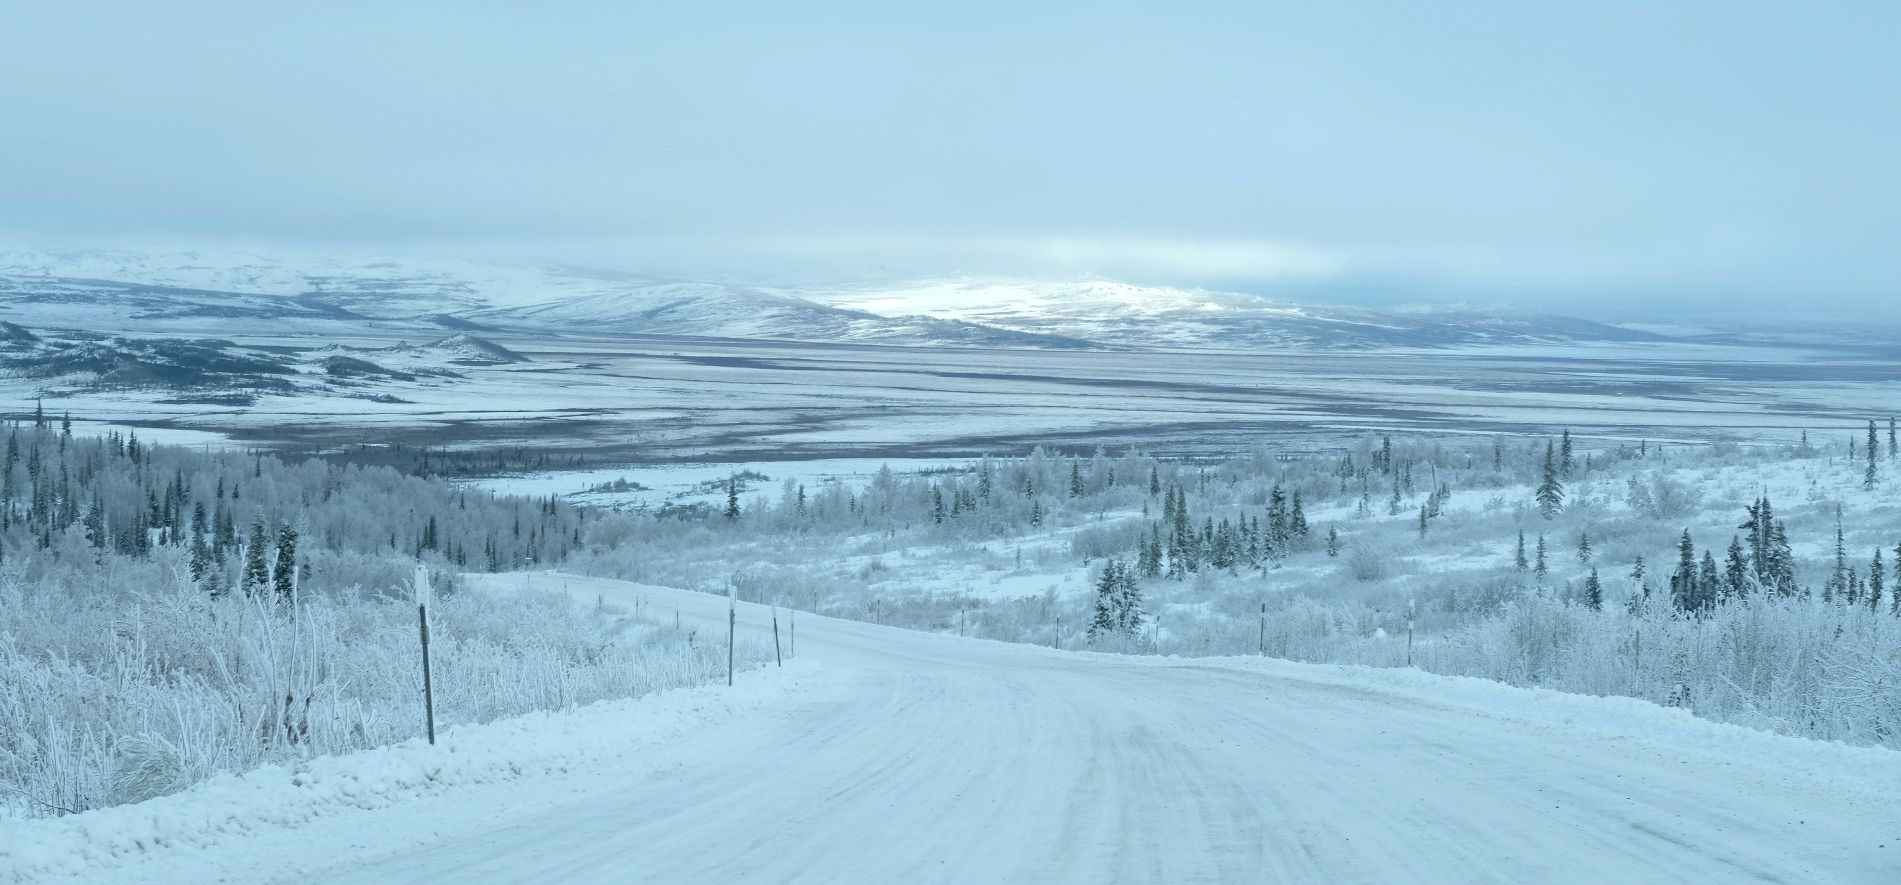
(146, 766)
(1364, 563)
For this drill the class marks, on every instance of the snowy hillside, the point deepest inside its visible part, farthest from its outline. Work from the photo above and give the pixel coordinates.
(236, 294)
(171, 290)
(672, 307)
(1152, 316)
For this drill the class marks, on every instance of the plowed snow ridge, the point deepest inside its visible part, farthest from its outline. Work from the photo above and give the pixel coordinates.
(887, 755)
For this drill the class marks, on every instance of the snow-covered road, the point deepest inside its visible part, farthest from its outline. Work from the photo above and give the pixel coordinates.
(935, 759)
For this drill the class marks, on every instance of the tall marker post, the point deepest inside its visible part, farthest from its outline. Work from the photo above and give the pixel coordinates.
(1263, 629)
(422, 621)
(1409, 632)
(776, 657)
(732, 628)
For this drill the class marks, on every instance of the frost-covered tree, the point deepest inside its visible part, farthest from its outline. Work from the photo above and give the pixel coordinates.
(1550, 494)
(1736, 579)
(1593, 592)
(1877, 581)
(284, 568)
(1104, 622)
(1683, 582)
(1129, 612)
(1870, 477)
(257, 570)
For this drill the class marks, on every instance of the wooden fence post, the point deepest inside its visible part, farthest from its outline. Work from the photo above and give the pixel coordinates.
(422, 621)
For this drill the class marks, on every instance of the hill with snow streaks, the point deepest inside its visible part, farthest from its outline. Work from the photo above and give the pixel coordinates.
(1129, 315)
(675, 307)
(234, 294)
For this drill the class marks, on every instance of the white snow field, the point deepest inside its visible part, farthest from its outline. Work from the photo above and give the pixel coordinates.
(884, 755)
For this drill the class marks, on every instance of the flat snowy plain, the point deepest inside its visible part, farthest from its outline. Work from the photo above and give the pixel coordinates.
(644, 399)
(884, 755)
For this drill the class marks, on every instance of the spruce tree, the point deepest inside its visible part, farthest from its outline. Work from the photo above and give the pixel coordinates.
(732, 498)
(1735, 571)
(1683, 592)
(1565, 463)
(1870, 477)
(1539, 566)
(1104, 621)
(1708, 582)
(1838, 578)
(257, 571)
(1584, 548)
(1593, 592)
(1129, 612)
(1550, 493)
(1877, 581)
(200, 561)
(1894, 594)
(1518, 559)
(1782, 560)
(284, 571)
(1333, 542)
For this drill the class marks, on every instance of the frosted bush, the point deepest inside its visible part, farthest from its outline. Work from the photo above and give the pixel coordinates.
(111, 696)
(146, 766)
(1364, 564)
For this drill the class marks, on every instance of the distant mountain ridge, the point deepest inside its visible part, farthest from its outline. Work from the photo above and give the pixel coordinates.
(180, 291)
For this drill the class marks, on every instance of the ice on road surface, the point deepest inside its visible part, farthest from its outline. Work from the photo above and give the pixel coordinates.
(925, 758)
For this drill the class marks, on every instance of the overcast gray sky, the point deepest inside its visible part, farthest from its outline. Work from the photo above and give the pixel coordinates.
(1531, 153)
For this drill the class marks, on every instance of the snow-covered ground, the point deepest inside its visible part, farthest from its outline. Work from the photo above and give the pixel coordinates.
(913, 757)
(620, 367)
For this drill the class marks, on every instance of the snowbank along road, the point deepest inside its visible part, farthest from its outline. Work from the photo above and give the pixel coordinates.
(924, 758)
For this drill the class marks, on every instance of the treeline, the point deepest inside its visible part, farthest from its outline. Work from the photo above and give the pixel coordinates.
(252, 523)
(434, 461)
(168, 614)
